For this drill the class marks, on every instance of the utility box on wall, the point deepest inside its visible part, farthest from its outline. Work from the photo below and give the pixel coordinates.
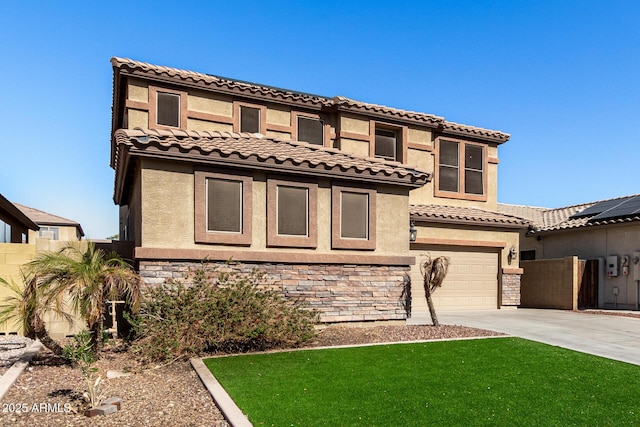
(635, 266)
(612, 266)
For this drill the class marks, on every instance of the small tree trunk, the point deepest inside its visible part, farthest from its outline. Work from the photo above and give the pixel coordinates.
(432, 309)
(96, 337)
(40, 332)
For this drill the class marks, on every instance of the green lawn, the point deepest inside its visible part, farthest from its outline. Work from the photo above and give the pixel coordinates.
(501, 381)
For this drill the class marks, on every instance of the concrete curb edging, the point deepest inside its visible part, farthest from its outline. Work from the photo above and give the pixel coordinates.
(227, 406)
(16, 369)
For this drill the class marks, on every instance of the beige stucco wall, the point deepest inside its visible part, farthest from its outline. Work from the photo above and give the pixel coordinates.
(210, 103)
(278, 135)
(419, 136)
(167, 204)
(168, 214)
(355, 147)
(206, 125)
(138, 91)
(354, 124)
(278, 115)
(137, 119)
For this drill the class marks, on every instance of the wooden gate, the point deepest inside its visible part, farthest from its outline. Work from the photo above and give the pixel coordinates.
(588, 286)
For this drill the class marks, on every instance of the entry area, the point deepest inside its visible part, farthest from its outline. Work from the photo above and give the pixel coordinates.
(471, 284)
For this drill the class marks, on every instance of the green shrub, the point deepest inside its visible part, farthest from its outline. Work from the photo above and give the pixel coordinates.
(221, 311)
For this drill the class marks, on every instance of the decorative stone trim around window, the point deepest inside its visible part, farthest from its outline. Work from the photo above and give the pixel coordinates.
(340, 293)
(153, 108)
(339, 239)
(461, 171)
(308, 238)
(202, 232)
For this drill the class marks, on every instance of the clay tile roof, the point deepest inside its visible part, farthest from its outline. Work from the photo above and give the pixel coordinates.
(254, 151)
(549, 220)
(459, 129)
(207, 80)
(456, 214)
(253, 90)
(346, 103)
(44, 218)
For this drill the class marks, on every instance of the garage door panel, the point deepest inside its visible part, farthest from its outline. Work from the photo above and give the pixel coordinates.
(472, 281)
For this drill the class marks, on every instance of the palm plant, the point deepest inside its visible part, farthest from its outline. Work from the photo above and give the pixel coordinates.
(25, 307)
(433, 273)
(87, 278)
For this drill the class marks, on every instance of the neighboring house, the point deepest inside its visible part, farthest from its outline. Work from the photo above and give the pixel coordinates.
(52, 227)
(25, 232)
(607, 231)
(319, 192)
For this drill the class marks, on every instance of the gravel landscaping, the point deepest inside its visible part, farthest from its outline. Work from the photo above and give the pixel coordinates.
(170, 395)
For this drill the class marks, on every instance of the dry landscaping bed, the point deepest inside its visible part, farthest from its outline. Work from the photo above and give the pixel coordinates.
(170, 395)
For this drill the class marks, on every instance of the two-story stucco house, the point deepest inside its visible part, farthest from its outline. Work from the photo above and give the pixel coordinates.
(319, 192)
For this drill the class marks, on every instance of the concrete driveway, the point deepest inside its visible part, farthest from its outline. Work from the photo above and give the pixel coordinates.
(613, 337)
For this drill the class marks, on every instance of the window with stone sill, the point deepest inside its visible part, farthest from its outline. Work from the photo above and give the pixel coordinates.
(292, 217)
(223, 208)
(353, 218)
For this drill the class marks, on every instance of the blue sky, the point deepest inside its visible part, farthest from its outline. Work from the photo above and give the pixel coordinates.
(563, 78)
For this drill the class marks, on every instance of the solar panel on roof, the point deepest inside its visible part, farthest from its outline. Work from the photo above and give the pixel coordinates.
(629, 207)
(600, 207)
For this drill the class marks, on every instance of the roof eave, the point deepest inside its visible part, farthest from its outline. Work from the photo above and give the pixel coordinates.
(476, 222)
(286, 167)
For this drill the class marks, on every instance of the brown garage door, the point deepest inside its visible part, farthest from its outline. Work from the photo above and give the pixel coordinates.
(472, 281)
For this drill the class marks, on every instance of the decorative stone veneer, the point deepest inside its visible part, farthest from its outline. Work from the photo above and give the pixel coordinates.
(510, 289)
(340, 293)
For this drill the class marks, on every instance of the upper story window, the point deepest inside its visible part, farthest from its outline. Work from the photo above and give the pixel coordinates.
(168, 109)
(223, 208)
(52, 233)
(461, 170)
(250, 119)
(353, 218)
(386, 144)
(310, 130)
(292, 215)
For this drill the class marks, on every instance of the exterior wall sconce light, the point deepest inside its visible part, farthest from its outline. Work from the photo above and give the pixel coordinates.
(513, 254)
(413, 232)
